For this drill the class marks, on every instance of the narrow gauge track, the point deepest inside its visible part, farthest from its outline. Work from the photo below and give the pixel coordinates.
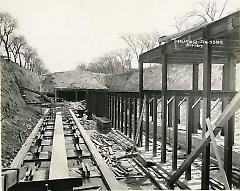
(58, 156)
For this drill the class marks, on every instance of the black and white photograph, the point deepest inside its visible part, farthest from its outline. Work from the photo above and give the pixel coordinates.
(120, 95)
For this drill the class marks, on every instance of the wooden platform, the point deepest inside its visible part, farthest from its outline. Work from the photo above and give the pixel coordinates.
(59, 166)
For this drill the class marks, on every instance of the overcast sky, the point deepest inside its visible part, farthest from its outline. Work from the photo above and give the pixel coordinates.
(66, 32)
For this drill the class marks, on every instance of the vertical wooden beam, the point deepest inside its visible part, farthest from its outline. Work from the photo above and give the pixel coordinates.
(151, 109)
(140, 67)
(154, 125)
(175, 132)
(125, 117)
(206, 110)
(228, 83)
(147, 123)
(130, 117)
(196, 109)
(115, 112)
(55, 94)
(122, 114)
(135, 117)
(164, 109)
(112, 107)
(118, 111)
(189, 124)
(76, 95)
(169, 116)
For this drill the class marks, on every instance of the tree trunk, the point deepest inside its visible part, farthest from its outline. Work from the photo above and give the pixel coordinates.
(7, 51)
(20, 61)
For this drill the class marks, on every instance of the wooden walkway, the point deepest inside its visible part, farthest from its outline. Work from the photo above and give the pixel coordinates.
(59, 165)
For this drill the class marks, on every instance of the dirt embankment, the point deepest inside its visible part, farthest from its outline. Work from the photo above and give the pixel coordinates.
(17, 118)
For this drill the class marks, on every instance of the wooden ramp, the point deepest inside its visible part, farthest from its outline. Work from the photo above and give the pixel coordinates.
(59, 165)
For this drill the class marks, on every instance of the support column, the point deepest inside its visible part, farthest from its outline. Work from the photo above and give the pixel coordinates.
(76, 95)
(112, 110)
(206, 111)
(175, 132)
(122, 115)
(125, 117)
(164, 109)
(110, 107)
(135, 117)
(189, 124)
(118, 113)
(146, 122)
(154, 125)
(169, 116)
(130, 117)
(196, 110)
(115, 112)
(55, 95)
(140, 66)
(228, 83)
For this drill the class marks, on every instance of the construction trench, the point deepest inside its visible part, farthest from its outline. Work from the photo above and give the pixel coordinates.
(98, 139)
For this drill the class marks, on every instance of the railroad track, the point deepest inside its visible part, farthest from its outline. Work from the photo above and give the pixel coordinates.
(58, 156)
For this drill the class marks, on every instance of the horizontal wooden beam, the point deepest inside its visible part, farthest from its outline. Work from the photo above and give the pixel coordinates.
(218, 30)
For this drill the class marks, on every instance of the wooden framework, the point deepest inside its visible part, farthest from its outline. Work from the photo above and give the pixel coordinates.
(218, 43)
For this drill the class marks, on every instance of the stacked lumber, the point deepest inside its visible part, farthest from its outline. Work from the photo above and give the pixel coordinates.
(104, 125)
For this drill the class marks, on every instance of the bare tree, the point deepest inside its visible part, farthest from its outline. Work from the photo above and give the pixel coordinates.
(17, 43)
(7, 27)
(139, 43)
(209, 10)
(125, 59)
(82, 66)
(206, 11)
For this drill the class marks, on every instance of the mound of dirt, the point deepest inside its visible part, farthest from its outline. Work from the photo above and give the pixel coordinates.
(17, 118)
(72, 79)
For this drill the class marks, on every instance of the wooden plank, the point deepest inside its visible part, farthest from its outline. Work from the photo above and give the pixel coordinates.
(196, 108)
(130, 117)
(9, 179)
(58, 165)
(147, 123)
(135, 117)
(137, 137)
(115, 112)
(125, 116)
(215, 147)
(154, 125)
(164, 109)
(122, 115)
(106, 172)
(118, 114)
(206, 111)
(18, 160)
(175, 133)
(232, 107)
(140, 68)
(189, 124)
(228, 83)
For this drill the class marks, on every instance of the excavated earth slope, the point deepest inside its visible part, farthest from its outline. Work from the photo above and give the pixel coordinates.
(17, 118)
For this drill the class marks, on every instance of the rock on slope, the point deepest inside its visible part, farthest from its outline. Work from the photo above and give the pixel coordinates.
(17, 119)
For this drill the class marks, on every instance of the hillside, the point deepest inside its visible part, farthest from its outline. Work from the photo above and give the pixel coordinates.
(17, 119)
